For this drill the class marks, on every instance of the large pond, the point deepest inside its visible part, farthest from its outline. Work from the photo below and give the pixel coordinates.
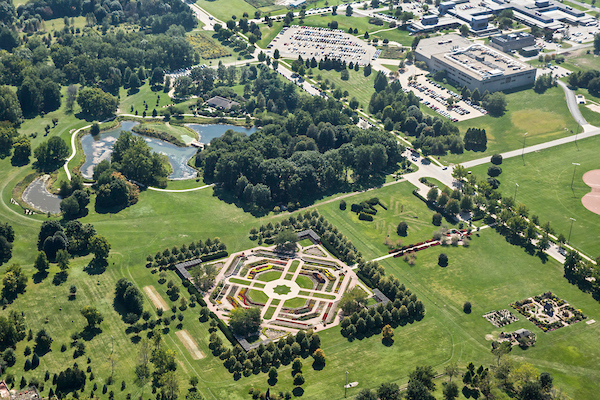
(99, 148)
(37, 196)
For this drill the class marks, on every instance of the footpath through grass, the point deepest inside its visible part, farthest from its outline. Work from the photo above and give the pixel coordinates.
(544, 117)
(544, 180)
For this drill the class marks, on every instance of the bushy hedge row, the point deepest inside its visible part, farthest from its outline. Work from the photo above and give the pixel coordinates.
(365, 217)
(239, 362)
(333, 240)
(211, 249)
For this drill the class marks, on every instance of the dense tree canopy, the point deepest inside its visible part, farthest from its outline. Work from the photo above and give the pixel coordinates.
(51, 154)
(244, 321)
(97, 103)
(10, 108)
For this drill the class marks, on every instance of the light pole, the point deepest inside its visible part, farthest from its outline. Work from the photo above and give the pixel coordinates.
(346, 386)
(574, 168)
(523, 151)
(571, 230)
(516, 187)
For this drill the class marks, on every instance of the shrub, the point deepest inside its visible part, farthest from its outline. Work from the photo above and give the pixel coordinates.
(496, 159)
(494, 171)
(467, 307)
(402, 229)
(437, 219)
(342, 205)
(365, 217)
(443, 260)
(357, 208)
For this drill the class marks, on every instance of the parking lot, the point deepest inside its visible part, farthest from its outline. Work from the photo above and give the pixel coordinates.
(435, 96)
(319, 43)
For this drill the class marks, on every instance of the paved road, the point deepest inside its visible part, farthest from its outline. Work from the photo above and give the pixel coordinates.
(572, 103)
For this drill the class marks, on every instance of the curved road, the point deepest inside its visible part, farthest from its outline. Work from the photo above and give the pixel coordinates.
(572, 104)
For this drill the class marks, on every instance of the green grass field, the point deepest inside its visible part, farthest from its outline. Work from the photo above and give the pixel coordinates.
(258, 296)
(294, 266)
(270, 312)
(269, 33)
(548, 110)
(545, 187)
(395, 35)
(295, 302)
(344, 23)
(358, 85)
(369, 237)
(268, 276)
(223, 10)
(304, 282)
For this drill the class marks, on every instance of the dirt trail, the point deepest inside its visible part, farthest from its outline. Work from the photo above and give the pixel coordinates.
(190, 345)
(155, 298)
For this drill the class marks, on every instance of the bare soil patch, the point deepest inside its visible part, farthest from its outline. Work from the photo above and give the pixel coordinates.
(156, 299)
(190, 345)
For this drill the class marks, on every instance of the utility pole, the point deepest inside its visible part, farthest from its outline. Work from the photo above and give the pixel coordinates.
(523, 152)
(574, 168)
(571, 230)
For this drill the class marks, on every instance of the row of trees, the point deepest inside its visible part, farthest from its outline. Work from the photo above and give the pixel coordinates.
(589, 79)
(331, 237)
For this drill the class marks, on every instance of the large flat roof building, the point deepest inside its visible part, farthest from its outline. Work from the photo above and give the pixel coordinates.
(473, 65)
(512, 41)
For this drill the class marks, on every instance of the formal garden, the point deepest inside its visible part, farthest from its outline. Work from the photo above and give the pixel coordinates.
(500, 318)
(297, 290)
(548, 312)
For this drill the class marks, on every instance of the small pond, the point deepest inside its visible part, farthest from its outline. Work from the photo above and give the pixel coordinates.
(38, 197)
(207, 133)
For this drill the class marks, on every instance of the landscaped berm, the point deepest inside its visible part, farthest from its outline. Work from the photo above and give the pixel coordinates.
(294, 291)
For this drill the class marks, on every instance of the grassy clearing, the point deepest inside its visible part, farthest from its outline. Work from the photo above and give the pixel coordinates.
(268, 276)
(392, 52)
(305, 242)
(548, 110)
(358, 85)
(575, 6)
(304, 282)
(545, 187)
(136, 100)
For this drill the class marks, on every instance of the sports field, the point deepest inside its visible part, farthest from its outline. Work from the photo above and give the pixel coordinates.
(544, 117)
(544, 180)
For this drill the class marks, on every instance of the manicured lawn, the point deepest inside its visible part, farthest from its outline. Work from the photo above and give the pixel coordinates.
(145, 93)
(268, 276)
(505, 133)
(358, 85)
(395, 35)
(304, 282)
(224, 9)
(269, 313)
(294, 266)
(545, 187)
(305, 243)
(491, 274)
(288, 277)
(258, 296)
(295, 302)
(268, 33)
(241, 281)
(584, 61)
(324, 296)
(368, 237)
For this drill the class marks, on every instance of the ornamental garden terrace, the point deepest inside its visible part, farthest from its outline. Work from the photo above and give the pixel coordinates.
(294, 291)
